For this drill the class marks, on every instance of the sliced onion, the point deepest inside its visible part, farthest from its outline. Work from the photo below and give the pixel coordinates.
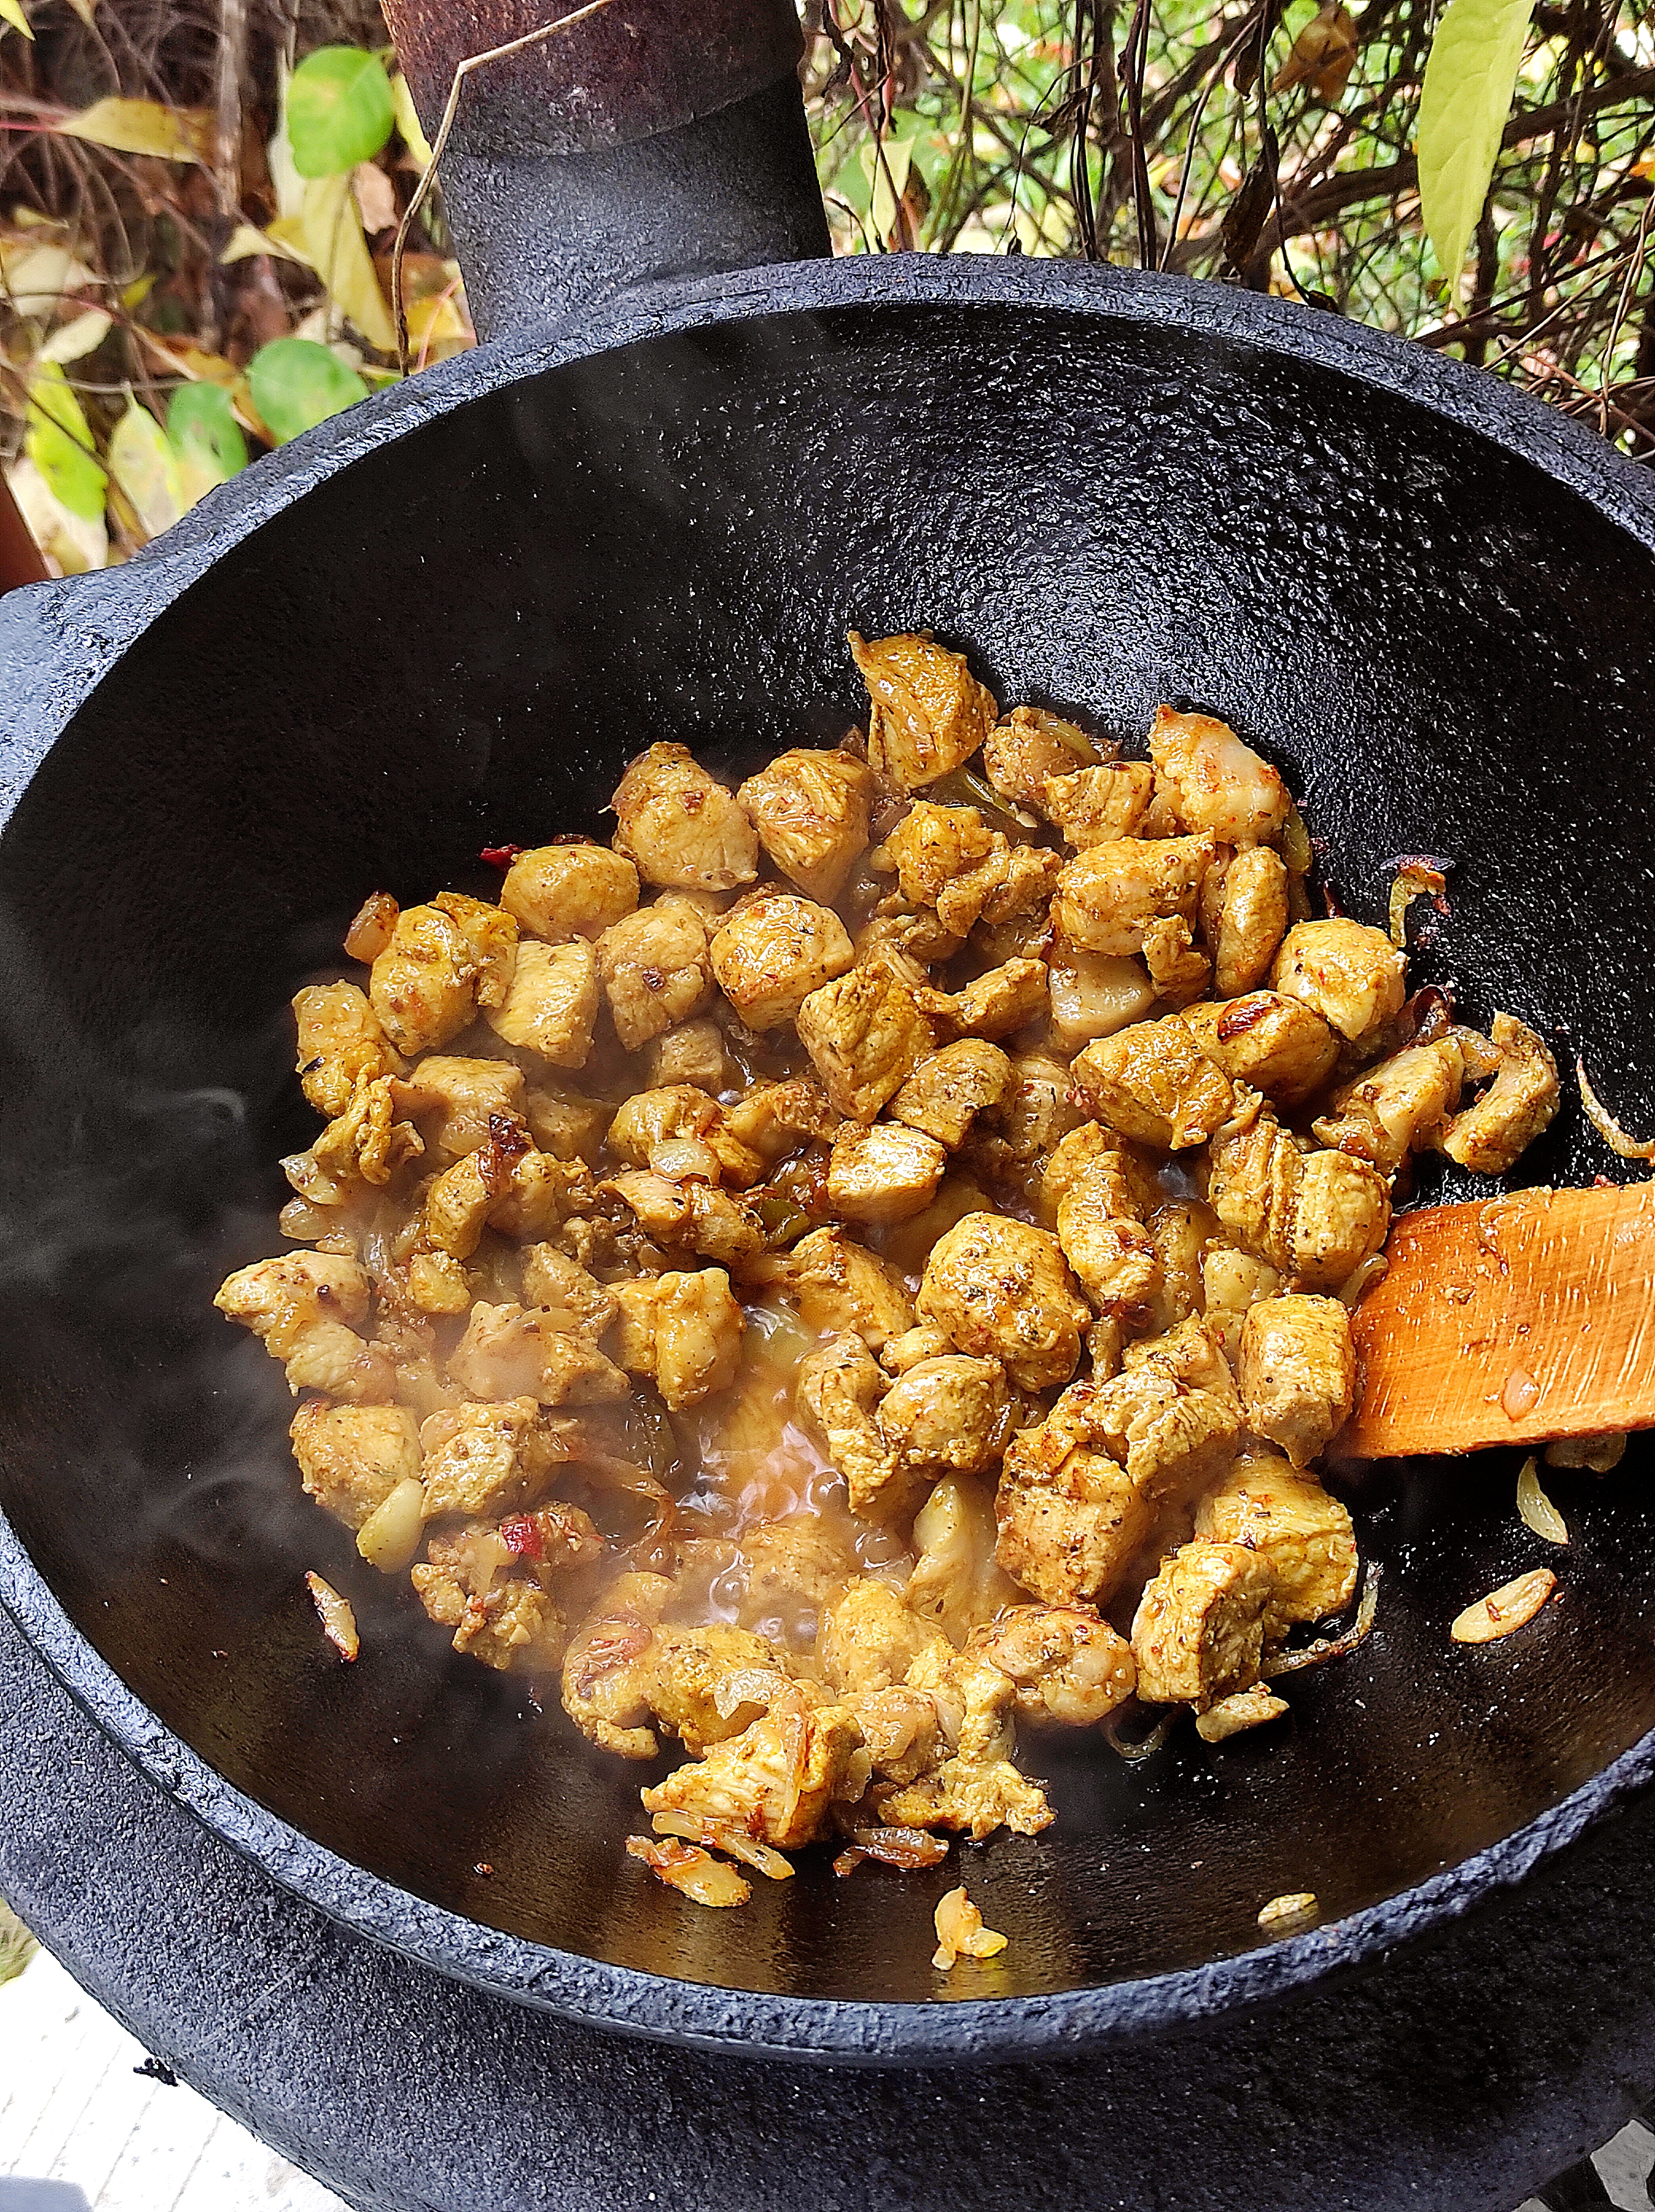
(703, 1880)
(960, 1932)
(722, 1838)
(1147, 1746)
(338, 1621)
(1623, 1147)
(1536, 1509)
(1332, 1647)
(1417, 877)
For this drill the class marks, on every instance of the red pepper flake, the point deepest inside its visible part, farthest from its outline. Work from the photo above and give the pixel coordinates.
(501, 856)
(522, 1534)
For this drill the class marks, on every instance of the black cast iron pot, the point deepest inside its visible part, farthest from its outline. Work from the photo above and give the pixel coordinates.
(442, 622)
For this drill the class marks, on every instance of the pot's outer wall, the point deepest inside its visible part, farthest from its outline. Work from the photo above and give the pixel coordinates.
(456, 643)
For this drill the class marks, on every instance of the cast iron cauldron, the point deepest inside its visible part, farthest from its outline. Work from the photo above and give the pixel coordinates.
(442, 621)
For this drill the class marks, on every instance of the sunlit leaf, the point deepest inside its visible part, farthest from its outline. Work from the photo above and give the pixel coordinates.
(134, 294)
(285, 179)
(11, 11)
(74, 543)
(340, 111)
(337, 251)
(144, 126)
(37, 278)
(87, 12)
(297, 384)
(245, 241)
(408, 121)
(1470, 77)
(376, 197)
(58, 441)
(78, 338)
(146, 468)
(206, 437)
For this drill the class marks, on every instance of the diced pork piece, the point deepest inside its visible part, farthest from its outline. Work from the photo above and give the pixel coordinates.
(1153, 1082)
(493, 937)
(957, 1581)
(1353, 976)
(944, 1094)
(692, 1216)
(884, 1172)
(1314, 1216)
(775, 1119)
(870, 1637)
(352, 1457)
(949, 1415)
(488, 1460)
(306, 1309)
(1244, 916)
(682, 828)
(540, 1194)
(1214, 782)
(840, 1286)
(1003, 1291)
(455, 1102)
(977, 1789)
(795, 1565)
(865, 1034)
(929, 713)
(1107, 897)
(1303, 1535)
(1069, 1667)
(1174, 1438)
(1198, 1633)
(1396, 1109)
(1112, 1254)
(609, 1667)
(1092, 1150)
(772, 951)
(901, 1730)
(1028, 747)
(839, 1391)
(1093, 994)
(552, 1003)
(1297, 1373)
(687, 1667)
(551, 1279)
(508, 1351)
(945, 857)
(506, 1184)
(651, 1120)
(1491, 1136)
(426, 986)
(365, 1144)
(1096, 806)
(341, 1044)
(1243, 1709)
(1011, 1140)
(684, 1331)
(564, 1123)
(1274, 1045)
(694, 1052)
(993, 1004)
(1194, 1354)
(655, 969)
(1180, 1228)
(506, 1619)
(923, 1342)
(1232, 1282)
(810, 809)
(1070, 1519)
(779, 1780)
(1178, 968)
(562, 891)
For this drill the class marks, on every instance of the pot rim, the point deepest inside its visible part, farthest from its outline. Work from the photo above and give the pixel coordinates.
(59, 641)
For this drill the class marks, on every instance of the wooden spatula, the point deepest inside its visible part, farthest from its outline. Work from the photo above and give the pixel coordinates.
(1524, 1318)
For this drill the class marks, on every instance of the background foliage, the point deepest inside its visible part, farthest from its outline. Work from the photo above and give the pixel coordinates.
(198, 199)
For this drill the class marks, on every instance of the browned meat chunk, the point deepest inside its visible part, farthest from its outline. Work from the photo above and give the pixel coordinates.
(884, 1172)
(442, 961)
(1397, 1108)
(341, 1044)
(1313, 1216)
(1297, 1373)
(506, 1618)
(1276, 1045)
(510, 1352)
(944, 1094)
(1353, 976)
(810, 809)
(455, 1102)
(684, 1331)
(655, 969)
(306, 1309)
(652, 1126)
(562, 891)
(1244, 914)
(681, 827)
(996, 1003)
(489, 1459)
(947, 1415)
(1096, 806)
(1004, 1291)
(1491, 1136)
(777, 1781)
(1107, 898)
(1028, 747)
(1153, 1082)
(840, 1285)
(1093, 994)
(1303, 1535)
(929, 713)
(870, 1637)
(1214, 782)
(1070, 1520)
(866, 1035)
(957, 1581)
(772, 951)
(352, 1457)
(1198, 1633)
(692, 1216)
(1069, 1667)
(552, 1003)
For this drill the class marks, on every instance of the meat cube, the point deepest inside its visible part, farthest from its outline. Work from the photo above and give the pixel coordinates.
(1092, 1151)
(1297, 1373)
(505, 1184)
(1069, 1667)
(424, 987)
(1180, 1229)
(557, 892)
(945, 857)
(692, 1052)
(1096, 806)
(977, 1789)
(1070, 1520)
(1199, 1632)
(488, 1460)
(552, 1280)
(1396, 1109)
(945, 1094)
(1153, 1082)
(1314, 1216)
(1193, 1351)
(682, 828)
(1178, 968)
(341, 1044)
(1174, 1439)
(794, 1566)
(655, 969)
(929, 713)
(692, 1216)
(773, 950)
(307, 1308)
(946, 1415)
(840, 1286)
(1353, 976)
(1012, 1140)
(1244, 915)
(1276, 1045)
(1491, 1136)
(455, 1102)
(653, 1119)
(365, 1144)
(1093, 994)
(1232, 1282)
(682, 1330)
(552, 1003)
(1215, 783)
(564, 1124)
(1003, 1291)
(508, 1351)
(775, 1119)
(508, 1620)
(352, 1457)
(901, 1730)
(779, 1780)
(609, 1667)
(539, 1193)
(921, 1342)
(1107, 897)
(1303, 1535)
(1028, 747)
(865, 1034)
(1111, 1253)
(884, 1172)
(686, 1668)
(995, 1004)
(839, 1391)
(957, 1581)
(810, 809)
(870, 1637)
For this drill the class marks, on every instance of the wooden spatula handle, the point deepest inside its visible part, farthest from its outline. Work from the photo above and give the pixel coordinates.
(1525, 1317)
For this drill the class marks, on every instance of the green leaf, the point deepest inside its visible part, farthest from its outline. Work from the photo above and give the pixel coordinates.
(206, 436)
(340, 111)
(297, 384)
(1470, 78)
(58, 441)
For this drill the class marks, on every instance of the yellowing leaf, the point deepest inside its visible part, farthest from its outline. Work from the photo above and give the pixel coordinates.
(58, 441)
(144, 126)
(11, 11)
(376, 199)
(145, 467)
(337, 250)
(1469, 81)
(87, 12)
(36, 277)
(134, 294)
(78, 338)
(285, 179)
(71, 543)
(245, 241)
(408, 121)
